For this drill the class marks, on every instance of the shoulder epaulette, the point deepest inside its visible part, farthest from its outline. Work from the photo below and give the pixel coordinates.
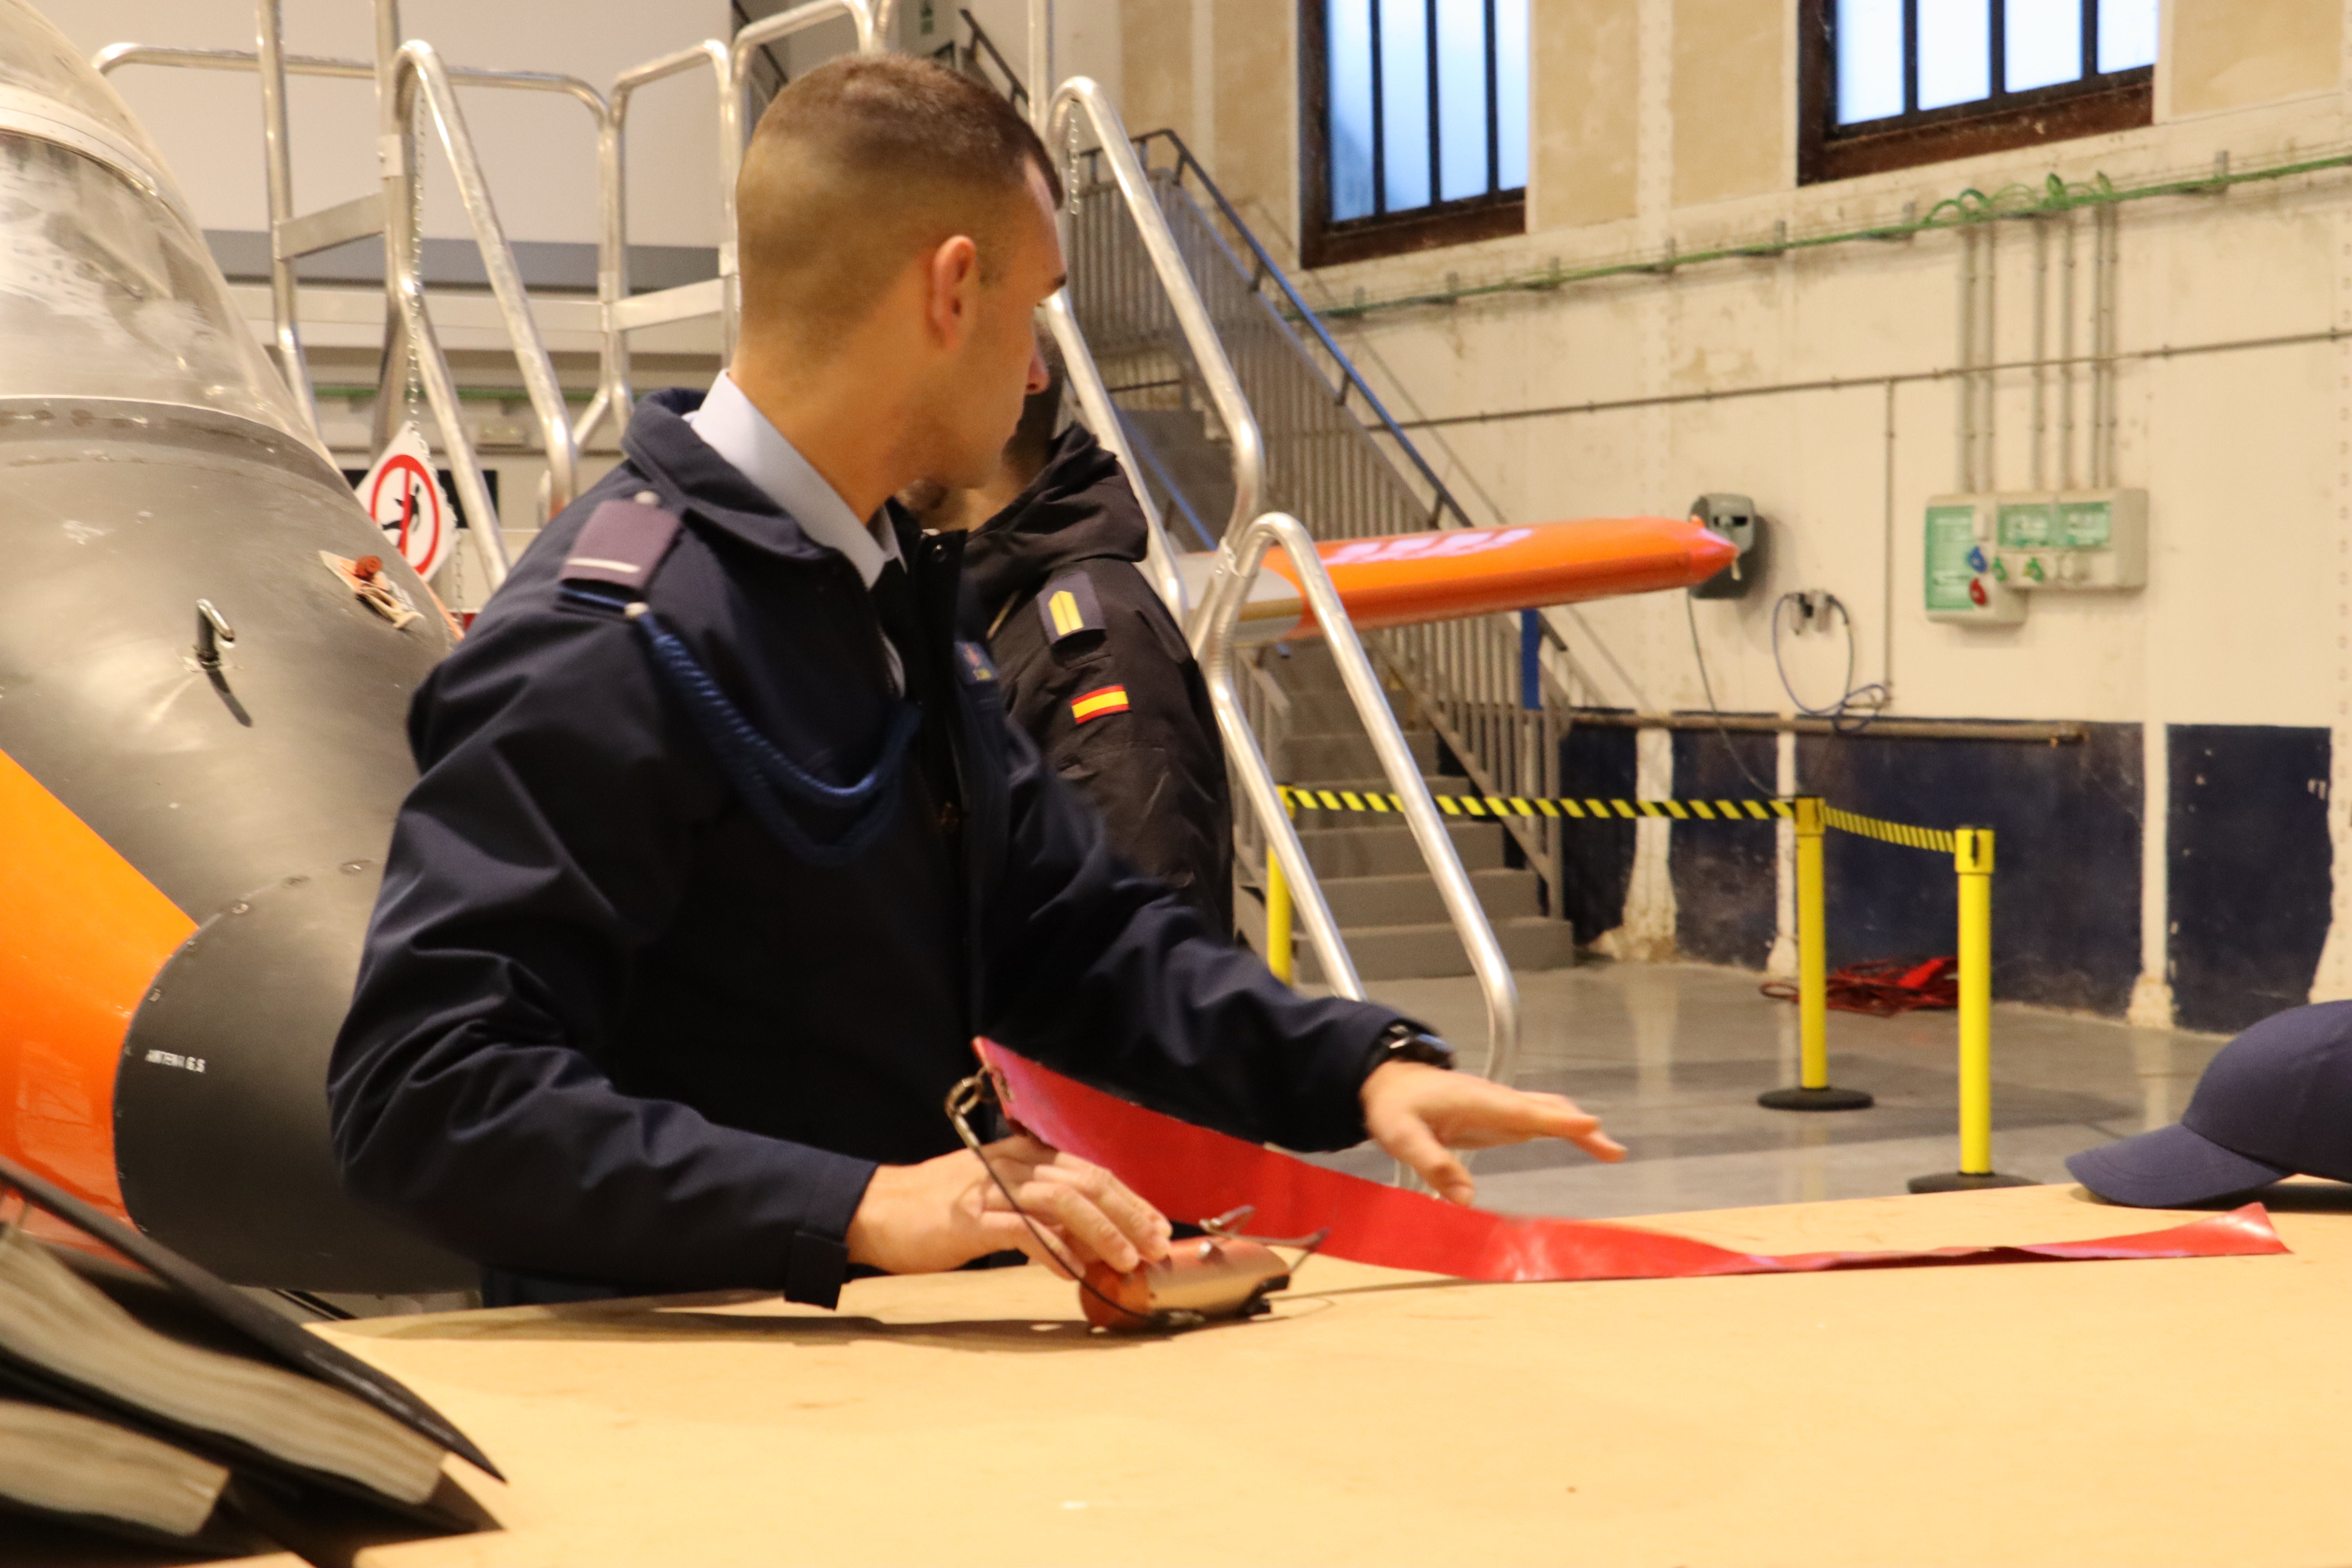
(622, 547)
(1068, 606)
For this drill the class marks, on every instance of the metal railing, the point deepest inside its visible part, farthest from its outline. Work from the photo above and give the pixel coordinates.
(1249, 533)
(417, 70)
(974, 58)
(731, 62)
(1332, 455)
(401, 77)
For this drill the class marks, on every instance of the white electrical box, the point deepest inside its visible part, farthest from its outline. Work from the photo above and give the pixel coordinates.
(1963, 564)
(2071, 541)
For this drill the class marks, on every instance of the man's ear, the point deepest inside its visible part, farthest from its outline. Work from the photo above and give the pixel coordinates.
(955, 291)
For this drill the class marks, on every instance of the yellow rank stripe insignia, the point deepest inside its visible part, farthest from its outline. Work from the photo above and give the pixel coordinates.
(1100, 703)
(1068, 617)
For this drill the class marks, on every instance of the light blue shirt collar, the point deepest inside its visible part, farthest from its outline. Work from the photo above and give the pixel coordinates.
(732, 427)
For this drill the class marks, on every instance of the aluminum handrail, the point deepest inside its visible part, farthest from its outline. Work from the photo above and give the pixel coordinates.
(869, 24)
(1221, 604)
(615, 395)
(1081, 95)
(416, 67)
(270, 60)
(1247, 537)
(730, 59)
(115, 56)
(1212, 649)
(1086, 379)
(286, 328)
(1352, 379)
(1014, 90)
(1041, 60)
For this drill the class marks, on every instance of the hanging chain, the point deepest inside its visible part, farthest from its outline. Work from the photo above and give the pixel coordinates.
(414, 390)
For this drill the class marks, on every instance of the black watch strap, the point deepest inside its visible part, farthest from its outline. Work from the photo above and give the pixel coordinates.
(1406, 1042)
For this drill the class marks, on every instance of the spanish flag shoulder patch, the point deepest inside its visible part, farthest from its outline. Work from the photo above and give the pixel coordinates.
(1100, 703)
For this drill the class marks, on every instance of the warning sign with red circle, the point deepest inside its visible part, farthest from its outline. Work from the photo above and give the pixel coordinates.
(404, 497)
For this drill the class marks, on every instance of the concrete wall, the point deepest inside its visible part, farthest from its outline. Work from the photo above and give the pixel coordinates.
(1672, 120)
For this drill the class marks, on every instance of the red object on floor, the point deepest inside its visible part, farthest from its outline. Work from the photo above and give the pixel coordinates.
(1188, 1173)
(1884, 987)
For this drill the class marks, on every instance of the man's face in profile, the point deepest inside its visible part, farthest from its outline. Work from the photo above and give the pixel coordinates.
(1001, 364)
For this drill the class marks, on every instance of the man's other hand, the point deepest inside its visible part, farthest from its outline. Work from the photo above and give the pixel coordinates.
(1421, 1114)
(942, 1214)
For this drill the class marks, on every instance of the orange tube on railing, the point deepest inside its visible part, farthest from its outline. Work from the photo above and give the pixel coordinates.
(1404, 579)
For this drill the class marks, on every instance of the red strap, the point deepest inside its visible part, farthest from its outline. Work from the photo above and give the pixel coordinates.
(1188, 1171)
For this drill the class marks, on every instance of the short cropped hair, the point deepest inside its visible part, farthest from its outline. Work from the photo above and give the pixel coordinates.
(863, 165)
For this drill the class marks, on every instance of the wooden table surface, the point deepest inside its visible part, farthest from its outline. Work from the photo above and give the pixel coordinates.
(2194, 1411)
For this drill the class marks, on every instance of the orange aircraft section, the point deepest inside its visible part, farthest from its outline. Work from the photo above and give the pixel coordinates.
(1407, 578)
(82, 935)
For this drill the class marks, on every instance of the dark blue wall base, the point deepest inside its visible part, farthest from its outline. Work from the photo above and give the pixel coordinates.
(1596, 858)
(1727, 896)
(2065, 903)
(2250, 858)
(2251, 870)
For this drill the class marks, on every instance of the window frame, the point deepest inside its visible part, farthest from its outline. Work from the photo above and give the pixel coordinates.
(2093, 105)
(1324, 243)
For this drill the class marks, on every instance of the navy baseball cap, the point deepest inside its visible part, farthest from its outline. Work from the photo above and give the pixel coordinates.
(2276, 1102)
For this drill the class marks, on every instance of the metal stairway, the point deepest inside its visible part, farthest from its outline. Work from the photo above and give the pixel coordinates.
(1387, 903)
(1458, 689)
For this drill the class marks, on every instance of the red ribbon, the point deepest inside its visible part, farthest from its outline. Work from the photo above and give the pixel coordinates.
(1186, 1171)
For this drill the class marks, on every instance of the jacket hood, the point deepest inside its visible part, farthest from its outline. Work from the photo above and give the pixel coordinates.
(1078, 508)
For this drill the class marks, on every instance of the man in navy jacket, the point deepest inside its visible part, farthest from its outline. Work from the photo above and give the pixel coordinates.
(722, 849)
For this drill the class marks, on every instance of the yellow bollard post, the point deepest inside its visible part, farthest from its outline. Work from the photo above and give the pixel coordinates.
(1812, 962)
(1972, 858)
(1277, 919)
(1813, 1091)
(1278, 914)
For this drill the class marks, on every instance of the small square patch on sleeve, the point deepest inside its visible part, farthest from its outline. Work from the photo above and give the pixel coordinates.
(1100, 703)
(1068, 606)
(978, 669)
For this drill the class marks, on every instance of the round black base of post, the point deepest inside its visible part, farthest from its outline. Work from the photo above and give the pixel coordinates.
(1962, 1182)
(1815, 1099)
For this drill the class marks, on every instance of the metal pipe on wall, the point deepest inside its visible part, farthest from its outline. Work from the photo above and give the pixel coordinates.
(1965, 435)
(2104, 431)
(2041, 352)
(2066, 312)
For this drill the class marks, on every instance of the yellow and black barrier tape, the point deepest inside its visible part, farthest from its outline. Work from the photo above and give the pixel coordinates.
(1589, 809)
(1941, 839)
(1595, 809)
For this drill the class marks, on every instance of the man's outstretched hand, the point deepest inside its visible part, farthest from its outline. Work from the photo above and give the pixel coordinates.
(942, 1214)
(1421, 1114)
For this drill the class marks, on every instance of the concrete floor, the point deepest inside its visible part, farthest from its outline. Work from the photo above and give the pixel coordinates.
(1671, 1057)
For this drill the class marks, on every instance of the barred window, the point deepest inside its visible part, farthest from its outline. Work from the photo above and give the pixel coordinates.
(1416, 123)
(1891, 84)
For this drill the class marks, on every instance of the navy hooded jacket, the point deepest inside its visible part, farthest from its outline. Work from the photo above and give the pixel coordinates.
(609, 1029)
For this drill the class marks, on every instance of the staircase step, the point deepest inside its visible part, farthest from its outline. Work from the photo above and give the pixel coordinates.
(1431, 950)
(1346, 754)
(1411, 898)
(1315, 707)
(1338, 853)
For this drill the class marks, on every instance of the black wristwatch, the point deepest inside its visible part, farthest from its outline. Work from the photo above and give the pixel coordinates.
(1404, 1042)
